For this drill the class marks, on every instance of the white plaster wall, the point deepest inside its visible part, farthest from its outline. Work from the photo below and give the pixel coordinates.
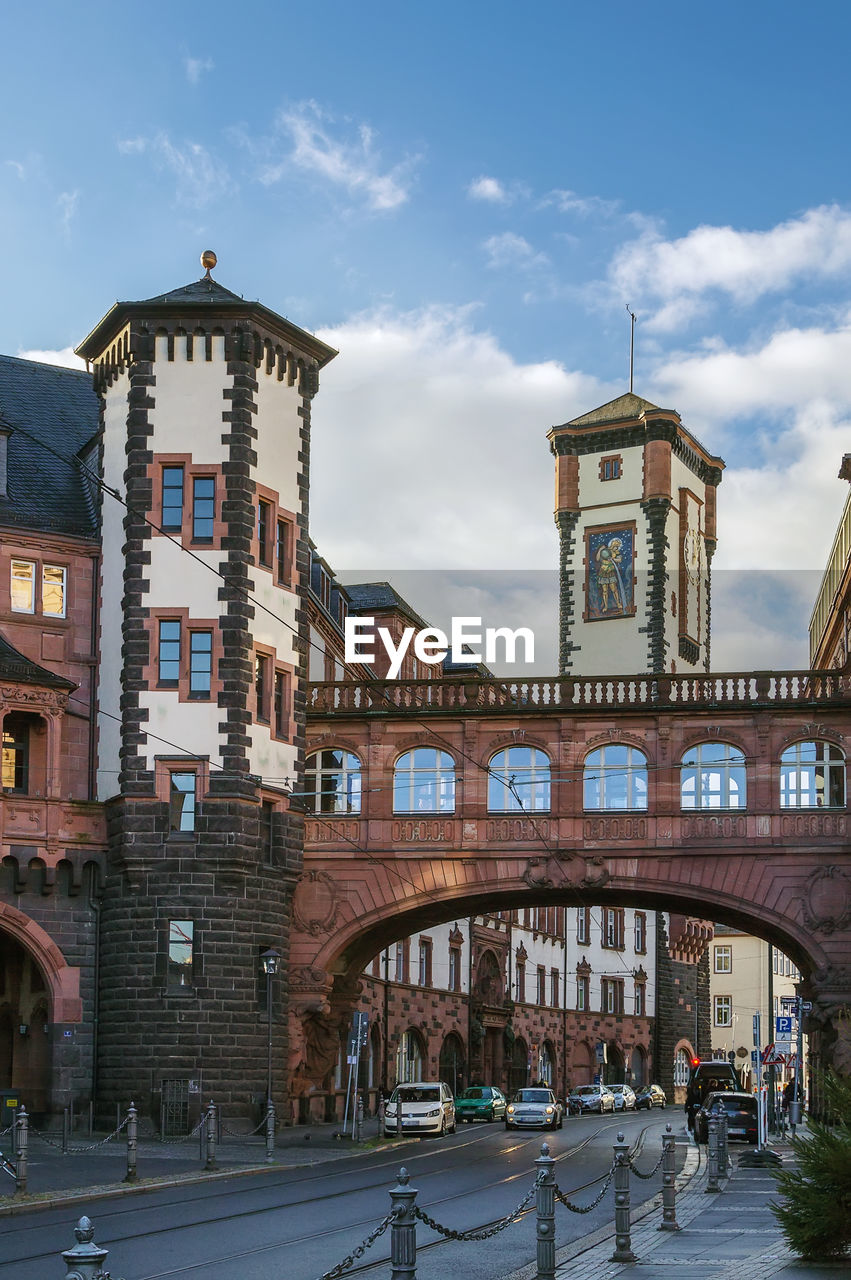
(628, 489)
(188, 403)
(270, 759)
(278, 627)
(316, 655)
(610, 646)
(191, 726)
(278, 443)
(179, 582)
(612, 964)
(112, 589)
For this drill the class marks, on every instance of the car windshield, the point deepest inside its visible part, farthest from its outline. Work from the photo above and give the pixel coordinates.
(476, 1093)
(428, 1093)
(532, 1095)
(707, 1084)
(615, 1088)
(588, 1088)
(735, 1103)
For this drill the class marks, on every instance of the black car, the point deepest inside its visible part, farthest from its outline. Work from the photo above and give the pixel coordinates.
(705, 1078)
(650, 1095)
(741, 1112)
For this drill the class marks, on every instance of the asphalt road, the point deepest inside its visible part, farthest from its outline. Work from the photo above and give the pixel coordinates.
(299, 1223)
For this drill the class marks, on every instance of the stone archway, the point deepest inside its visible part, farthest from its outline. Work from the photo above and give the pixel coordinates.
(452, 1067)
(614, 1069)
(638, 1067)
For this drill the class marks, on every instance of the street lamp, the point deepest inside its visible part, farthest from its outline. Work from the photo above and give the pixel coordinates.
(270, 960)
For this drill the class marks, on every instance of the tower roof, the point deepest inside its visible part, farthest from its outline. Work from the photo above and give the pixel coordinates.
(15, 665)
(207, 298)
(628, 405)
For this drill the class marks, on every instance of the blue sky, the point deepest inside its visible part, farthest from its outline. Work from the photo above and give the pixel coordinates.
(463, 198)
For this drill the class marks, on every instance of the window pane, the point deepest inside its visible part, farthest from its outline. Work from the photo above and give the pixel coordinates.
(180, 946)
(23, 586)
(172, 514)
(169, 651)
(200, 663)
(182, 806)
(53, 590)
(203, 506)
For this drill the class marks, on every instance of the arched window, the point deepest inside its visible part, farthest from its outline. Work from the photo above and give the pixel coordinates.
(519, 781)
(332, 782)
(682, 1066)
(424, 782)
(713, 777)
(812, 776)
(409, 1059)
(615, 777)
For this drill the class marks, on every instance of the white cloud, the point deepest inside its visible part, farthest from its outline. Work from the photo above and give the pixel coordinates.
(442, 437)
(65, 357)
(674, 276)
(584, 206)
(201, 177)
(488, 189)
(511, 250)
(351, 164)
(195, 68)
(68, 201)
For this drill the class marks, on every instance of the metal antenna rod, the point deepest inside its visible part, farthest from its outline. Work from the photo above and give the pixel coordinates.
(632, 318)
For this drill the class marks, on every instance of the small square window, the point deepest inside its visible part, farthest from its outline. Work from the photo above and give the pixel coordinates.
(611, 467)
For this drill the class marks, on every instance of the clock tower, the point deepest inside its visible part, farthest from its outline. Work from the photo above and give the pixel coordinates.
(635, 510)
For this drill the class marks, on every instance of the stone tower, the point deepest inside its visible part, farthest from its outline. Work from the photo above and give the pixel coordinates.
(635, 510)
(205, 418)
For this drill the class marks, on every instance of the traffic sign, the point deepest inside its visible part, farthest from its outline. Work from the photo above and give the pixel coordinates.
(754, 1058)
(765, 1056)
(782, 1027)
(789, 1002)
(756, 1029)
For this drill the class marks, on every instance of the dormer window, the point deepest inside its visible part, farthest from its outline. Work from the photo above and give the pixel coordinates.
(611, 467)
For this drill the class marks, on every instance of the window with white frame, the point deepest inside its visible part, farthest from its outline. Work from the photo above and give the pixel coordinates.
(519, 781)
(812, 776)
(583, 983)
(612, 995)
(723, 959)
(682, 1066)
(583, 925)
(712, 776)
(23, 586)
(424, 782)
(640, 932)
(615, 777)
(722, 1010)
(332, 782)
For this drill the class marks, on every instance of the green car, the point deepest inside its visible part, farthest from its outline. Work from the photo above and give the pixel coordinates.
(480, 1102)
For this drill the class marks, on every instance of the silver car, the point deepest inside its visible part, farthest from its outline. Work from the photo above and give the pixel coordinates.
(536, 1107)
(624, 1097)
(591, 1097)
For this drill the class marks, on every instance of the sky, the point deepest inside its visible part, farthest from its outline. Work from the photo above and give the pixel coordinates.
(463, 199)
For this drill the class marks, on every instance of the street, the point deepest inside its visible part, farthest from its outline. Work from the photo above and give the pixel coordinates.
(302, 1222)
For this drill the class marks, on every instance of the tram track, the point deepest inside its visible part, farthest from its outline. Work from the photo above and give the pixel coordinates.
(319, 1174)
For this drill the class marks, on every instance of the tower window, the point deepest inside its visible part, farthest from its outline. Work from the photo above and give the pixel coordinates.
(264, 531)
(611, 467)
(182, 802)
(180, 949)
(172, 512)
(203, 507)
(200, 663)
(169, 651)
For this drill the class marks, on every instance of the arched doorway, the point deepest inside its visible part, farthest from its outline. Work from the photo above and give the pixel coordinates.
(547, 1064)
(682, 1065)
(613, 1071)
(638, 1067)
(410, 1057)
(452, 1067)
(24, 1044)
(518, 1075)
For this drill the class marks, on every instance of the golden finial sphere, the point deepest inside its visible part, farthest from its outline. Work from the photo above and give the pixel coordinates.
(208, 259)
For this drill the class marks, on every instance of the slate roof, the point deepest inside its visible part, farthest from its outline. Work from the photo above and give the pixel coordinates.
(625, 406)
(43, 404)
(364, 596)
(14, 666)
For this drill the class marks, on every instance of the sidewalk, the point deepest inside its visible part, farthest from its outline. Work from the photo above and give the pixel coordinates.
(731, 1235)
(56, 1178)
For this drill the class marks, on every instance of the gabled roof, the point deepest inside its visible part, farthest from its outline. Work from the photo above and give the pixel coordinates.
(625, 406)
(15, 666)
(46, 408)
(204, 297)
(364, 596)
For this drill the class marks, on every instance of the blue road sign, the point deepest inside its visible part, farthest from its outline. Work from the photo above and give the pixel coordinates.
(782, 1028)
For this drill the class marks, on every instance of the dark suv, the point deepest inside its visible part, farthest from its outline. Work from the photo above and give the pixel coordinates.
(706, 1078)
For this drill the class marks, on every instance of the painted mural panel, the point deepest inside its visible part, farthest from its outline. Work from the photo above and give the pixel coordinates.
(610, 572)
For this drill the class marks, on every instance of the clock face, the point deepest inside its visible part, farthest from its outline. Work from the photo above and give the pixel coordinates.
(692, 554)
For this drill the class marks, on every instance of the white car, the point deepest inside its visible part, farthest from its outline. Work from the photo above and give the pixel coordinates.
(624, 1097)
(427, 1107)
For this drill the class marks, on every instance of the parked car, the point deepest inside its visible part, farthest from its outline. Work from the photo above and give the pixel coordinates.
(480, 1102)
(741, 1111)
(705, 1078)
(624, 1097)
(427, 1107)
(536, 1107)
(649, 1096)
(590, 1097)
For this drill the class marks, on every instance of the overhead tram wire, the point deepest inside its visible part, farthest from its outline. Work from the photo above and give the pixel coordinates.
(373, 682)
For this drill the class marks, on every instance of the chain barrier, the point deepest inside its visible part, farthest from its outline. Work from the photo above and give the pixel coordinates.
(173, 1142)
(486, 1234)
(351, 1258)
(653, 1171)
(76, 1151)
(3, 1132)
(233, 1133)
(577, 1208)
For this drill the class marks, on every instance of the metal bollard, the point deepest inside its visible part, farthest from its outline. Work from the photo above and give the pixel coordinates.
(132, 1136)
(22, 1138)
(669, 1181)
(545, 1211)
(359, 1118)
(723, 1157)
(270, 1130)
(403, 1230)
(712, 1151)
(85, 1260)
(65, 1132)
(623, 1243)
(211, 1136)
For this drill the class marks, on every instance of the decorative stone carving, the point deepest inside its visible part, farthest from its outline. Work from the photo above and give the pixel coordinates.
(315, 903)
(827, 905)
(555, 873)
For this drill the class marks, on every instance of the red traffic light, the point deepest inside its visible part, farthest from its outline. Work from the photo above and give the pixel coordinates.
(695, 1062)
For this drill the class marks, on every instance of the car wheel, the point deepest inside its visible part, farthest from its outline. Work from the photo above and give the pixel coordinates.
(492, 1115)
(560, 1121)
(507, 1125)
(443, 1127)
(454, 1126)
